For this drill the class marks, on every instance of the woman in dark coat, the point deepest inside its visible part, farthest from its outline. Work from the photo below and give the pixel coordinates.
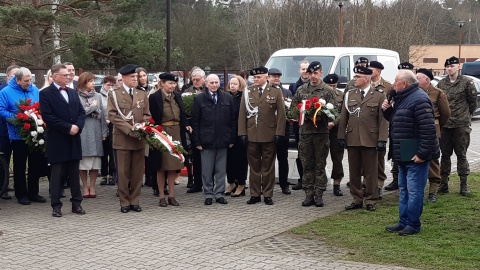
(167, 110)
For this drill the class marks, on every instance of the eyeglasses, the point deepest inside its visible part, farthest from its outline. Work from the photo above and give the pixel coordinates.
(196, 80)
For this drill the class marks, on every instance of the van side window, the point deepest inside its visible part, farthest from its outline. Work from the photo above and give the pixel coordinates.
(343, 67)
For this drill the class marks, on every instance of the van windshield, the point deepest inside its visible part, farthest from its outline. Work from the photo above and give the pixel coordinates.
(290, 65)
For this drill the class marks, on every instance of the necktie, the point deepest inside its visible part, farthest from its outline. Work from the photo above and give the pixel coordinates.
(130, 92)
(363, 94)
(214, 96)
(260, 90)
(63, 88)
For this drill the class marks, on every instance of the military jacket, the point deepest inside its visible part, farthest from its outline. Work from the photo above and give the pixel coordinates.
(363, 123)
(462, 98)
(350, 85)
(441, 109)
(339, 95)
(384, 85)
(308, 91)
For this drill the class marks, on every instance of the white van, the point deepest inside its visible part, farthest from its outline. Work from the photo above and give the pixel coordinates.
(339, 60)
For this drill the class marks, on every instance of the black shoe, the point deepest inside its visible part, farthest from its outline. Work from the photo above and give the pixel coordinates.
(286, 190)
(6, 196)
(319, 201)
(353, 206)
(24, 201)
(136, 208)
(371, 207)
(57, 212)
(208, 201)
(337, 191)
(395, 228)
(156, 193)
(443, 188)
(125, 209)
(308, 201)
(189, 185)
(392, 186)
(407, 231)
(380, 195)
(62, 195)
(78, 210)
(38, 199)
(104, 181)
(254, 200)
(432, 198)
(111, 182)
(298, 186)
(221, 200)
(268, 200)
(194, 190)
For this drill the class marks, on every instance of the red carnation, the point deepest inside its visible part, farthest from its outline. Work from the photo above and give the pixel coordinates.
(299, 106)
(317, 105)
(25, 117)
(23, 108)
(20, 116)
(151, 121)
(29, 101)
(148, 130)
(308, 105)
(160, 128)
(36, 105)
(314, 99)
(26, 126)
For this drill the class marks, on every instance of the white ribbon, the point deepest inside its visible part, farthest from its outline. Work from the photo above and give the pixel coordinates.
(251, 111)
(129, 116)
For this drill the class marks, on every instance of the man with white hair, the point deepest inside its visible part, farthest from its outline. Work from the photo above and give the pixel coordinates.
(20, 88)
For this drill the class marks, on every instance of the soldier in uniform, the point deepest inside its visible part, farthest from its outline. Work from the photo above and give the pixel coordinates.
(364, 130)
(314, 143)
(336, 152)
(462, 97)
(261, 122)
(126, 107)
(361, 62)
(441, 111)
(274, 76)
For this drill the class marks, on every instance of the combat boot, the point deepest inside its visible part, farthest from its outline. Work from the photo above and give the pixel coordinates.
(337, 191)
(433, 188)
(319, 200)
(298, 186)
(308, 201)
(463, 186)
(444, 185)
(393, 185)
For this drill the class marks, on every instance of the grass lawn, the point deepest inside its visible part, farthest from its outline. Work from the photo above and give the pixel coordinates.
(450, 237)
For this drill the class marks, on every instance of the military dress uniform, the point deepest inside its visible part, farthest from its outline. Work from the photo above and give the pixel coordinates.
(261, 131)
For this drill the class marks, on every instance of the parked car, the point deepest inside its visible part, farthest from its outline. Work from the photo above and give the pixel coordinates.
(472, 69)
(476, 82)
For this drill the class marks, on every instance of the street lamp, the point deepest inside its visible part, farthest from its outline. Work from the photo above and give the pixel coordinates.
(340, 31)
(460, 24)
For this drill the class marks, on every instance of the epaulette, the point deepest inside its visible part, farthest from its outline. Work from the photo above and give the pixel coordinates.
(379, 90)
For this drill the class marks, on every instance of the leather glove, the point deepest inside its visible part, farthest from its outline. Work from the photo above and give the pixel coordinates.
(342, 143)
(244, 139)
(277, 138)
(381, 146)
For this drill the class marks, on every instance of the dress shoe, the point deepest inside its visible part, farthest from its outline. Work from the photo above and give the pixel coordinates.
(371, 207)
(309, 201)
(298, 186)
(62, 194)
(319, 201)
(443, 188)
(254, 200)
(136, 208)
(162, 202)
(268, 200)
(24, 201)
(231, 189)
(6, 196)
(392, 186)
(432, 198)
(221, 200)
(86, 196)
(78, 210)
(337, 191)
(172, 201)
(38, 199)
(380, 195)
(189, 185)
(56, 212)
(286, 190)
(353, 206)
(208, 201)
(194, 190)
(240, 191)
(408, 231)
(395, 228)
(125, 209)
(156, 193)
(104, 181)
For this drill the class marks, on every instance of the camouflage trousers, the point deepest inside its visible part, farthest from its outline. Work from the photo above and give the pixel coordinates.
(458, 140)
(313, 151)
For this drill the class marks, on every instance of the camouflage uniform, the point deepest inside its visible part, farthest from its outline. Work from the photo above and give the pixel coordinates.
(314, 143)
(462, 98)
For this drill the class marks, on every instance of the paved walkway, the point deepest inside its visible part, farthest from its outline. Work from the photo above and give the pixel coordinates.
(192, 236)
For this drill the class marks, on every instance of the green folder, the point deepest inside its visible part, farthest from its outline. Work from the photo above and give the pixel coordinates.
(408, 149)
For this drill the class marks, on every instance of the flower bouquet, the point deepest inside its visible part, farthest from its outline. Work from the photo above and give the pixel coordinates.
(187, 100)
(30, 124)
(314, 107)
(159, 139)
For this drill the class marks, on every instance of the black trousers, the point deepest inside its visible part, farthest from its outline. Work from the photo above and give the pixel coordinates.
(296, 132)
(26, 186)
(68, 169)
(197, 169)
(237, 163)
(6, 148)
(108, 163)
(282, 157)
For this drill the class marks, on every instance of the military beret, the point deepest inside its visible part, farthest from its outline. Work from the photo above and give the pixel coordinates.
(128, 69)
(331, 78)
(259, 70)
(452, 60)
(405, 65)
(361, 60)
(168, 77)
(376, 64)
(274, 71)
(315, 65)
(362, 70)
(427, 72)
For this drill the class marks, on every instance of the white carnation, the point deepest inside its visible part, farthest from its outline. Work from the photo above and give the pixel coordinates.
(322, 101)
(329, 106)
(41, 142)
(33, 133)
(40, 122)
(40, 130)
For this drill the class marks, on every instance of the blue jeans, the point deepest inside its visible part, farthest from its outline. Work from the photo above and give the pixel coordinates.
(412, 178)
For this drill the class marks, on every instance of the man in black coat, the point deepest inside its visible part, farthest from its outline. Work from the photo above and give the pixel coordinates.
(64, 117)
(214, 131)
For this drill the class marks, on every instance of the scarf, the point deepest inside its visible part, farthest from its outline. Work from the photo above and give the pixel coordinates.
(88, 96)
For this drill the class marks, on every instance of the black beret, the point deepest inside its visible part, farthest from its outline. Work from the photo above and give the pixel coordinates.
(361, 60)
(128, 69)
(331, 78)
(452, 60)
(405, 65)
(362, 70)
(376, 64)
(315, 65)
(168, 77)
(426, 72)
(259, 70)
(274, 71)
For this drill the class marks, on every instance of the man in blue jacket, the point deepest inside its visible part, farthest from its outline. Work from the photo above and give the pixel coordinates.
(20, 88)
(413, 144)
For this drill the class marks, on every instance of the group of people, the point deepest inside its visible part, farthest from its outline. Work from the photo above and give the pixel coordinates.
(230, 130)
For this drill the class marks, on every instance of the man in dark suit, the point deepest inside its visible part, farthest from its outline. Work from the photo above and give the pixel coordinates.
(64, 117)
